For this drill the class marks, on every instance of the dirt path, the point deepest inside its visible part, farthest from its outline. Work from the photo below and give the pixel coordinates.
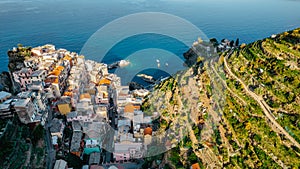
(261, 103)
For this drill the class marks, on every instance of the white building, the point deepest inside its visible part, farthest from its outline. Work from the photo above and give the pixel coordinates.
(25, 110)
(38, 75)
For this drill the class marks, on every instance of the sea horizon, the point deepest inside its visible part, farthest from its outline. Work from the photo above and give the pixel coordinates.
(36, 22)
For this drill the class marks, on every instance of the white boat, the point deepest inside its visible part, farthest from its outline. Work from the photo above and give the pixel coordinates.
(157, 61)
(124, 63)
(147, 78)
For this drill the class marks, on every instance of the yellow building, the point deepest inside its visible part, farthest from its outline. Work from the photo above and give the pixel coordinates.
(64, 108)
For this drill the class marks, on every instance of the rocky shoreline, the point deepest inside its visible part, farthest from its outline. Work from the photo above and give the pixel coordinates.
(6, 82)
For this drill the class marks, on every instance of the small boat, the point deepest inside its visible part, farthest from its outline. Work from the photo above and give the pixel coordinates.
(167, 64)
(157, 61)
(123, 63)
(147, 78)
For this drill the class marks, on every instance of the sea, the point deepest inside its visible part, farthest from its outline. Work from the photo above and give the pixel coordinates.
(70, 23)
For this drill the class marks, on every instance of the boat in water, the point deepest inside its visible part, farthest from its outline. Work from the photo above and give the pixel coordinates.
(121, 63)
(147, 78)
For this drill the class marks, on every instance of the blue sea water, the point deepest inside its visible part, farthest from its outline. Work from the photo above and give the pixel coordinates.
(69, 23)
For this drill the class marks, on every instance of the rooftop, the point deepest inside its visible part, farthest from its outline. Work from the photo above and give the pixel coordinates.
(60, 164)
(195, 166)
(96, 167)
(148, 131)
(4, 95)
(104, 81)
(125, 147)
(37, 73)
(24, 70)
(76, 125)
(124, 122)
(129, 108)
(72, 114)
(56, 125)
(76, 138)
(4, 106)
(85, 96)
(22, 102)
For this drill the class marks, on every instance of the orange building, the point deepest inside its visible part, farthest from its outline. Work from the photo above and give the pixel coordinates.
(104, 82)
(195, 166)
(129, 108)
(68, 58)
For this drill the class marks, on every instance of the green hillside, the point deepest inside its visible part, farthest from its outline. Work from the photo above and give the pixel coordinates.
(244, 107)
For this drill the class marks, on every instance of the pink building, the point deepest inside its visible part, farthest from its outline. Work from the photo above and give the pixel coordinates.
(127, 150)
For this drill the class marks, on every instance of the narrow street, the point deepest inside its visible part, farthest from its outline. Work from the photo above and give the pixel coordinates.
(48, 141)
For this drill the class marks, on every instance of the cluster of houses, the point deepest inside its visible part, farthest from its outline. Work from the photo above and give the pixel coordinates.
(40, 80)
(46, 79)
(107, 116)
(101, 113)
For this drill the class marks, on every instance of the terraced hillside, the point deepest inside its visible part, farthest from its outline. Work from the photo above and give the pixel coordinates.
(247, 108)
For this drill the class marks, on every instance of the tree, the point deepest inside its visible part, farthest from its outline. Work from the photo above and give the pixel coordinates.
(231, 43)
(37, 134)
(237, 42)
(74, 161)
(214, 42)
(192, 158)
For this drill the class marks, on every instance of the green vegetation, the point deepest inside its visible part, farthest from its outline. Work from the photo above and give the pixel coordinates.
(12, 150)
(244, 137)
(270, 67)
(74, 161)
(17, 57)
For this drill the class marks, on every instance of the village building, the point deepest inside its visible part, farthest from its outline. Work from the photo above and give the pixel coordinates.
(60, 164)
(25, 110)
(57, 127)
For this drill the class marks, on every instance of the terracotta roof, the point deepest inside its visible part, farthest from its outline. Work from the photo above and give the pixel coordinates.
(67, 57)
(61, 68)
(55, 72)
(68, 94)
(137, 106)
(195, 166)
(48, 80)
(85, 96)
(104, 81)
(148, 131)
(55, 81)
(129, 108)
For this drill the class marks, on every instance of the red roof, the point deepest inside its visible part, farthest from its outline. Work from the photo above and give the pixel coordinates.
(148, 131)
